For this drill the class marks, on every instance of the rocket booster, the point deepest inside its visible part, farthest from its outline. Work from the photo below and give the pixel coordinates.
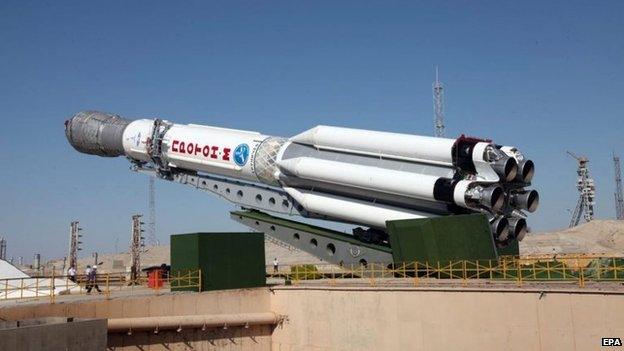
(349, 175)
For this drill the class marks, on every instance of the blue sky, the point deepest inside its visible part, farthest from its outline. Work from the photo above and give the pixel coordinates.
(545, 76)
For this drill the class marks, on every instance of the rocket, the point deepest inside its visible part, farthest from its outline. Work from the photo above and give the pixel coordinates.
(340, 174)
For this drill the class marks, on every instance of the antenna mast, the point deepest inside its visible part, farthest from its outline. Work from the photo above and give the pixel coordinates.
(438, 106)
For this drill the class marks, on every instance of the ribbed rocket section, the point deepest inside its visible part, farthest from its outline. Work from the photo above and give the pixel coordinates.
(265, 160)
(96, 133)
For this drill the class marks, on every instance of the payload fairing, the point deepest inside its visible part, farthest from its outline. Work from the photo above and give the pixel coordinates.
(348, 175)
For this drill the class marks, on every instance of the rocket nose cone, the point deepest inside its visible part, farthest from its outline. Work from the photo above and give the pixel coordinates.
(96, 133)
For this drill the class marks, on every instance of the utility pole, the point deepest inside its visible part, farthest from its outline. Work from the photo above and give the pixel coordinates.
(136, 245)
(619, 197)
(74, 244)
(587, 192)
(3, 244)
(438, 107)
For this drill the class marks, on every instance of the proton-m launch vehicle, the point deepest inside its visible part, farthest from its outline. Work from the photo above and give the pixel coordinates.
(339, 174)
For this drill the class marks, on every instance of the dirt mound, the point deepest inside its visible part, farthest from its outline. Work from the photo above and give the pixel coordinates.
(598, 236)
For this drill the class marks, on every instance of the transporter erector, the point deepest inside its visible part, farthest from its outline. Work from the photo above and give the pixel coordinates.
(353, 176)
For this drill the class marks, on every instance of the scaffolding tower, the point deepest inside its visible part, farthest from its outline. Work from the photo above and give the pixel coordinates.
(74, 244)
(438, 107)
(619, 198)
(136, 245)
(3, 254)
(587, 192)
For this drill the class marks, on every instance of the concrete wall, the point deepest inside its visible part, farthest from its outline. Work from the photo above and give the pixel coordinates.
(183, 303)
(214, 302)
(345, 319)
(79, 335)
(366, 319)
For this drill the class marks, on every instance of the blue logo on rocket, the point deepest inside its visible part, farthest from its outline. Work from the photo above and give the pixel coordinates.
(241, 154)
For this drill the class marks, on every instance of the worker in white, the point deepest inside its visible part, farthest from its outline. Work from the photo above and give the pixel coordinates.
(275, 265)
(71, 274)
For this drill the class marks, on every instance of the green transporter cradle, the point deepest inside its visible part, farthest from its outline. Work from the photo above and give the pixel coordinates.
(226, 260)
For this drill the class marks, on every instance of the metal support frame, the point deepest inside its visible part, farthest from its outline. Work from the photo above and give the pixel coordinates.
(328, 245)
(238, 192)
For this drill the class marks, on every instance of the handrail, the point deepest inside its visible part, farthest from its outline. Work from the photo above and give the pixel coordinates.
(105, 283)
(575, 269)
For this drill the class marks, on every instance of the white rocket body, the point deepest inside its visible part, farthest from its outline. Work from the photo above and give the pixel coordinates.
(197, 148)
(351, 175)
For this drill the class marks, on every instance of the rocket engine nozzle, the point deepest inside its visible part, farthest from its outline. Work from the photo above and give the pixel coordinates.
(494, 197)
(506, 168)
(96, 133)
(500, 229)
(517, 228)
(526, 200)
(491, 197)
(526, 170)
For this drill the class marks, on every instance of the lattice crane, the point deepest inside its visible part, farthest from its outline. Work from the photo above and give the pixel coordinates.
(587, 189)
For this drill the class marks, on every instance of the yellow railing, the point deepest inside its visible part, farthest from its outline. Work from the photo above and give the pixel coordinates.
(106, 284)
(508, 269)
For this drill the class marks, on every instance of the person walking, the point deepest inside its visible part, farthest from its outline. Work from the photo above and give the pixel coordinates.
(92, 280)
(71, 274)
(87, 273)
(275, 265)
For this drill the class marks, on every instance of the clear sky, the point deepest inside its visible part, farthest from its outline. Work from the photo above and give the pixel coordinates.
(547, 76)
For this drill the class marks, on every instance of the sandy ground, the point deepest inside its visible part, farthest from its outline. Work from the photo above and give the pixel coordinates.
(597, 237)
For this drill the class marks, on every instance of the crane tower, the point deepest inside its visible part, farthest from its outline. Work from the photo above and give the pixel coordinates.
(438, 107)
(587, 192)
(619, 198)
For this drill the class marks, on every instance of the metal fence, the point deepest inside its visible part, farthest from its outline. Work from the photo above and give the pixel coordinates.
(107, 284)
(579, 270)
